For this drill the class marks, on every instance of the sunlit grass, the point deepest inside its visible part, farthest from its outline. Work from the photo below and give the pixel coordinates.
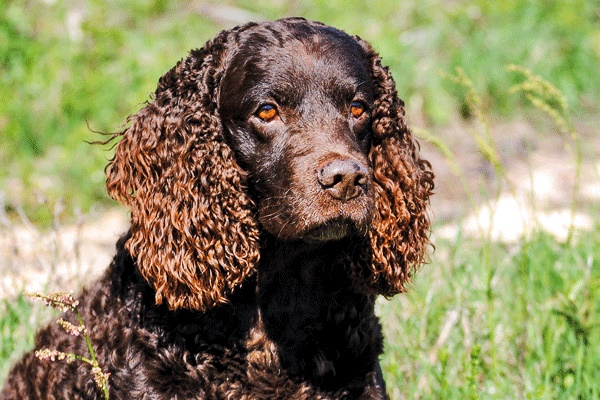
(536, 337)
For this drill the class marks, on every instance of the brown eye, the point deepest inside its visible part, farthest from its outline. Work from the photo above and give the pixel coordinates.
(357, 109)
(267, 112)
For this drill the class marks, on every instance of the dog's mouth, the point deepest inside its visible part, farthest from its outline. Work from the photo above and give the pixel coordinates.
(331, 231)
(319, 224)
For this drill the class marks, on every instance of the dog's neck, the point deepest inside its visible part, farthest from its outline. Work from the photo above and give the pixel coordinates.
(314, 311)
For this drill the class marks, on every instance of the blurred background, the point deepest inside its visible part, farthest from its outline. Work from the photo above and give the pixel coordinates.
(504, 97)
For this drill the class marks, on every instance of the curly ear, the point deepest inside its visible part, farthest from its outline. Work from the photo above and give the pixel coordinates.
(193, 232)
(403, 184)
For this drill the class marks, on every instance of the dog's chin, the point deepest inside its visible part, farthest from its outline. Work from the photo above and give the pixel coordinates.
(327, 233)
(321, 231)
(331, 231)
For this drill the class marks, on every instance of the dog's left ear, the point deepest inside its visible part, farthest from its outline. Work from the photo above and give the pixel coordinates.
(193, 232)
(403, 184)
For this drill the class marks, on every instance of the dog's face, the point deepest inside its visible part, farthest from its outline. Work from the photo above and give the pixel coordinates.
(291, 121)
(297, 114)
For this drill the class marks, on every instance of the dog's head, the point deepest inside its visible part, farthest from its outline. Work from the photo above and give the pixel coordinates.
(292, 128)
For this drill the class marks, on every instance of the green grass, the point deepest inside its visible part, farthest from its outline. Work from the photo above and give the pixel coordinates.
(533, 334)
(19, 319)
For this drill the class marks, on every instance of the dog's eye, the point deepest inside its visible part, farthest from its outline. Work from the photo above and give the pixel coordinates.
(267, 112)
(357, 109)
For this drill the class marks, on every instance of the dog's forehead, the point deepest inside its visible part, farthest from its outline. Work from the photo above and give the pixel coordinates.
(293, 66)
(323, 58)
(323, 54)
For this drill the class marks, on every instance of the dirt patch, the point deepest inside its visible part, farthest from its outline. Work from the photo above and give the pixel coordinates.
(540, 167)
(64, 258)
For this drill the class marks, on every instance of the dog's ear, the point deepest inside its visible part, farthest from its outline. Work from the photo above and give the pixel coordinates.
(193, 232)
(403, 183)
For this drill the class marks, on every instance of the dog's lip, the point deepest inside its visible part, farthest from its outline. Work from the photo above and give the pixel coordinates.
(329, 231)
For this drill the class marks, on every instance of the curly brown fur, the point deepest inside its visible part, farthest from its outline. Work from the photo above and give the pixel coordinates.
(275, 191)
(193, 231)
(403, 184)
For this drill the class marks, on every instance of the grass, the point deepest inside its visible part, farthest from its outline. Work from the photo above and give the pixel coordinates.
(534, 335)
(19, 319)
(484, 319)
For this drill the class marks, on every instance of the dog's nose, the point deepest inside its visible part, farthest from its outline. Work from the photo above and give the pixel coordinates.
(343, 179)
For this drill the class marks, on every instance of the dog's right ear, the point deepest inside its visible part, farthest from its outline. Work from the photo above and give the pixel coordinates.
(193, 231)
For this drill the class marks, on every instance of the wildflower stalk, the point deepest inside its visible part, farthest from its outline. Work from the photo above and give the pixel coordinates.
(64, 302)
(451, 161)
(546, 97)
(485, 144)
(483, 138)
